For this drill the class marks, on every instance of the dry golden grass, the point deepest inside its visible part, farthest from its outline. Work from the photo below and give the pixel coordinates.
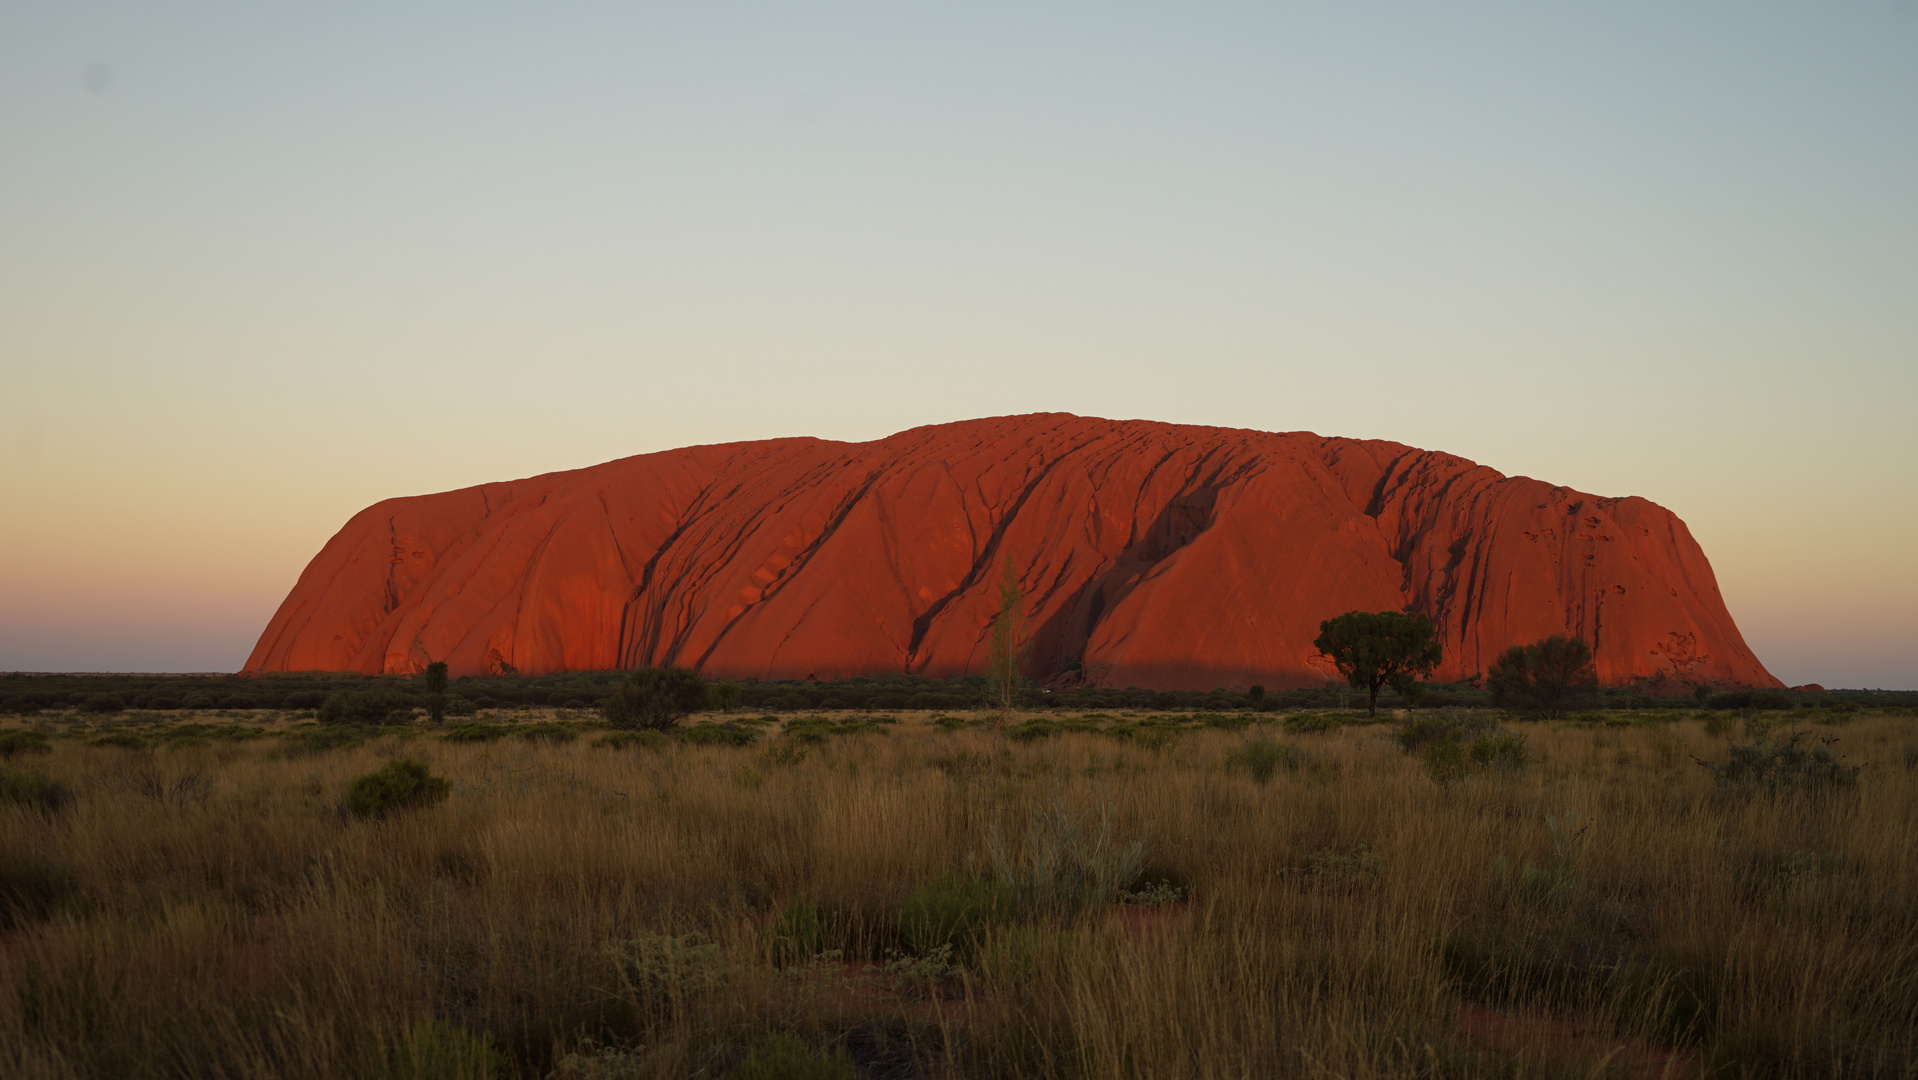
(585, 912)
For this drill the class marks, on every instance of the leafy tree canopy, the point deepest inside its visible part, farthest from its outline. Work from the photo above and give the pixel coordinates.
(1373, 649)
(1547, 678)
(655, 699)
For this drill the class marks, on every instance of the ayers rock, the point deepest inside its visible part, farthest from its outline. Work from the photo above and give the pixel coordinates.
(1153, 555)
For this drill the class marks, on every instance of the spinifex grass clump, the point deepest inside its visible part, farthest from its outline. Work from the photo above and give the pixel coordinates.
(34, 790)
(402, 784)
(954, 912)
(1067, 863)
(1261, 758)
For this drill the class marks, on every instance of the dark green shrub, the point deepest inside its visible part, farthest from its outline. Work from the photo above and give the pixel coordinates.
(955, 912)
(1262, 758)
(548, 732)
(30, 789)
(1315, 723)
(1768, 700)
(725, 696)
(710, 734)
(655, 699)
(320, 740)
(1453, 742)
(103, 703)
(643, 740)
(1032, 730)
(783, 1057)
(128, 740)
(1499, 750)
(1549, 677)
(16, 741)
(1226, 721)
(459, 706)
(1785, 766)
(477, 732)
(401, 784)
(1447, 725)
(372, 707)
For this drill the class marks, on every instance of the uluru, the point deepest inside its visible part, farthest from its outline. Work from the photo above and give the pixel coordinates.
(1156, 555)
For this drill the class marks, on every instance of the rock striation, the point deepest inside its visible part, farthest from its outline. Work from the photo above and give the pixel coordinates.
(1153, 555)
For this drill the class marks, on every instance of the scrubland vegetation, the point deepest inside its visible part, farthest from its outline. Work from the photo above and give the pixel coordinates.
(1086, 894)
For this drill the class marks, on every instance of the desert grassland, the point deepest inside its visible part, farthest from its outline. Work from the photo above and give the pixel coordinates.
(579, 911)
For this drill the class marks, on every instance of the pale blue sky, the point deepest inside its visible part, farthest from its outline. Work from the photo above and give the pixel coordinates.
(262, 266)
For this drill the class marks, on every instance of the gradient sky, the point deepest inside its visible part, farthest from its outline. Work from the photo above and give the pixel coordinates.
(262, 265)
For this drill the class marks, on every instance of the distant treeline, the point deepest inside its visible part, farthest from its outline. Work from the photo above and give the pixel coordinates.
(27, 693)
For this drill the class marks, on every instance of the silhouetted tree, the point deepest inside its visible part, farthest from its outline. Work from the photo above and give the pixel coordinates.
(436, 691)
(1002, 648)
(1547, 678)
(1375, 648)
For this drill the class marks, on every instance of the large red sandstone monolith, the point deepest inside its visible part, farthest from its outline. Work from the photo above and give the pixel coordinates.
(1154, 555)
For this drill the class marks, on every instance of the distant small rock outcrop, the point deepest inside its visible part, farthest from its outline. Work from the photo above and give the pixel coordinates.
(1155, 555)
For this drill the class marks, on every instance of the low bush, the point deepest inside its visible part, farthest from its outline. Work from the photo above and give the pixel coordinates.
(1770, 700)
(1786, 765)
(1442, 725)
(548, 732)
(1226, 721)
(401, 784)
(1454, 742)
(1313, 723)
(126, 740)
(711, 734)
(372, 707)
(655, 699)
(1033, 730)
(320, 740)
(16, 741)
(640, 740)
(103, 703)
(476, 733)
(1499, 750)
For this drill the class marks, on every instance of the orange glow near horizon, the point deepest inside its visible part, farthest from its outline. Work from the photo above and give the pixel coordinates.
(263, 270)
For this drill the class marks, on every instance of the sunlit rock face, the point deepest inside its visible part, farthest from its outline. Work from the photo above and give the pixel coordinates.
(1152, 555)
